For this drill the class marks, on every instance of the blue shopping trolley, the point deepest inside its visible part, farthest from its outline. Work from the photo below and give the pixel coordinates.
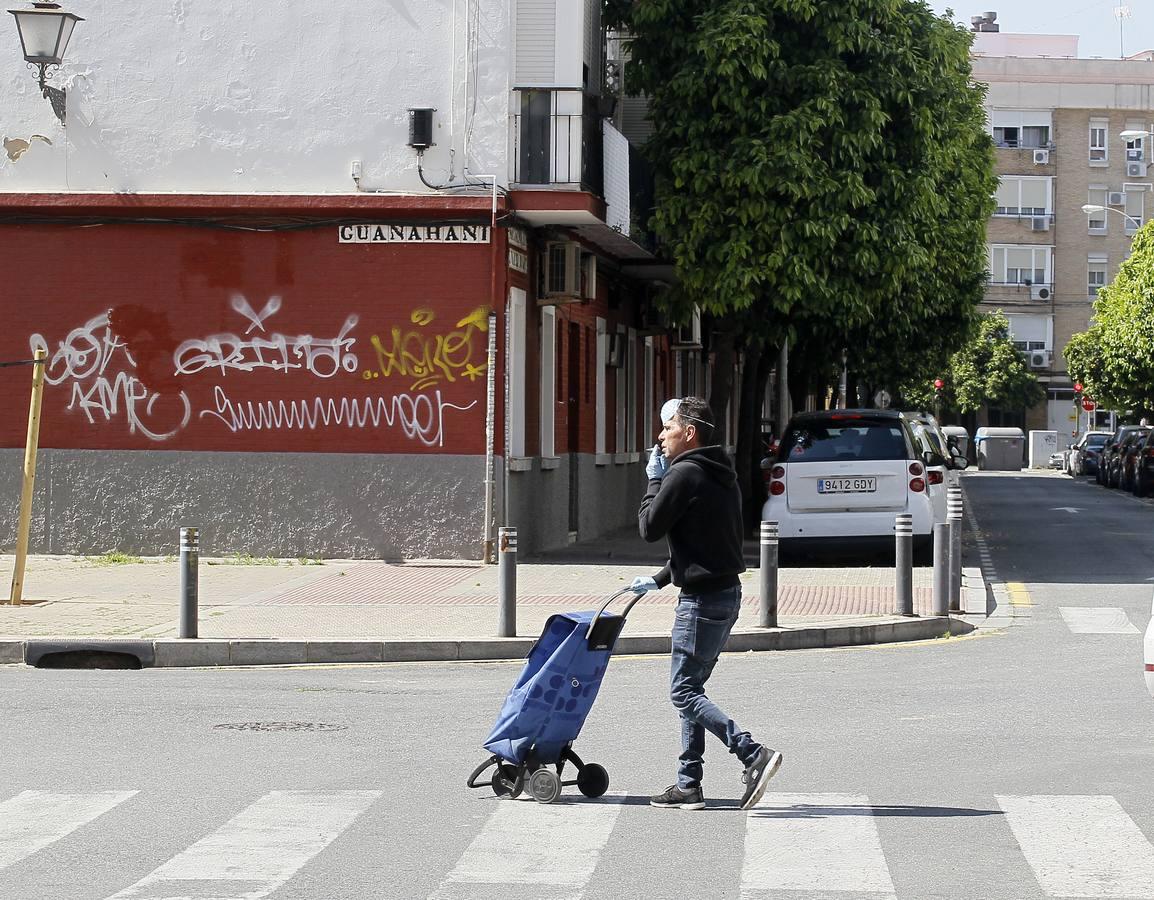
(546, 708)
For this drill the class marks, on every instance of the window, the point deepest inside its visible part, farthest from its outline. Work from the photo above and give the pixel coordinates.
(1036, 136)
(1135, 207)
(1096, 221)
(1095, 274)
(1006, 137)
(1024, 128)
(820, 441)
(1019, 264)
(1136, 147)
(1098, 130)
(1023, 196)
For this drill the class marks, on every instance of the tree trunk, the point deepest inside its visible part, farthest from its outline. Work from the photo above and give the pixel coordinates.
(721, 388)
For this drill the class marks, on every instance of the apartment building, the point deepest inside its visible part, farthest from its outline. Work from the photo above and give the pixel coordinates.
(1057, 124)
(327, 281)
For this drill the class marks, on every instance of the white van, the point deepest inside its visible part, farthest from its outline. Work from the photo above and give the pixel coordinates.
(841, 477)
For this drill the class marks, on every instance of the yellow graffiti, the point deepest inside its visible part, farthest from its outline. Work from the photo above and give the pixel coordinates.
(429, 357)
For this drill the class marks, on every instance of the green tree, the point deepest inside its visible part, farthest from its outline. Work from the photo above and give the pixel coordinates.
(988, 369)
(1114, 358)
(823, 175)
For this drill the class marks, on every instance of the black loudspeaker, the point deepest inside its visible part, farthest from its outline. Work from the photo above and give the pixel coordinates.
(421, 128)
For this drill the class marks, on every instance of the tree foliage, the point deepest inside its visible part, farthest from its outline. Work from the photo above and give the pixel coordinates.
(988, 369)
(822, 165)
(1114, 358)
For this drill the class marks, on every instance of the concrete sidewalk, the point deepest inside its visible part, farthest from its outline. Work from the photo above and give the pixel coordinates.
(281, 611)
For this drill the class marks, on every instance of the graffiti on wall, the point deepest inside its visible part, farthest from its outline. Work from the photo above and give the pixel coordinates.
(123, 366)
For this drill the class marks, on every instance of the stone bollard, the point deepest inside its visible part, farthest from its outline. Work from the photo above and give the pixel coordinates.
(941, 601)
(767, 611)
(904, 565)
(189, 589)
(954, 518)
(507, 582)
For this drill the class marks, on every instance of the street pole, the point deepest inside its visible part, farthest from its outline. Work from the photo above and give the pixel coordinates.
(954, 517)
(189, 588)
(904, 565)
(507, 582)
(941, 597)
(767, 611)
(24, 523)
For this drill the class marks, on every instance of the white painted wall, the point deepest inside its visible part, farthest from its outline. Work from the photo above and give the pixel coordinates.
(190, 96)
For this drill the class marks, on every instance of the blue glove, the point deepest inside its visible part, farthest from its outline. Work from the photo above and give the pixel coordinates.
(657, 465)
(642, 584)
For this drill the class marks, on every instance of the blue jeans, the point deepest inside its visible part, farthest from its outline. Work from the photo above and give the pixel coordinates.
(700, 630)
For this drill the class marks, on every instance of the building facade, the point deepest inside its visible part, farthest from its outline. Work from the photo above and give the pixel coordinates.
(329, 281)
(1056, 121)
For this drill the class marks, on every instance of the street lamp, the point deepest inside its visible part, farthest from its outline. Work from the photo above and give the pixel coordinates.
(44, 34)
(1133, 134)
(1095, 208)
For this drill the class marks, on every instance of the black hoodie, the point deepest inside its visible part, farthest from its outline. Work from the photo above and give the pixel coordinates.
(697, 506)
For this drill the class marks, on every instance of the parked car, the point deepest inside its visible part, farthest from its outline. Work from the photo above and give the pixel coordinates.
(842, 476)
(942, 443)
(1083, 458)
(1142, 477)
(1109, 451)
(1121, 456)
(1058, 460)
(1128, 457)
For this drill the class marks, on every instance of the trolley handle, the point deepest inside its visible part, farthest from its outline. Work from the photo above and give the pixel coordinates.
(625, 612)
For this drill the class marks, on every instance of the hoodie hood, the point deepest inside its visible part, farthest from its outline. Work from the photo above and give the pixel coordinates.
(713, 461)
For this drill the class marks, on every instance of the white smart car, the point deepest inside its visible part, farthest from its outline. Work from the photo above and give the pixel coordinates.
(841, 477)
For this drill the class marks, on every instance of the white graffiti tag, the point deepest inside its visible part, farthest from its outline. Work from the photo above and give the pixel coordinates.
(101, 369)
(421, 417)
(323, 357)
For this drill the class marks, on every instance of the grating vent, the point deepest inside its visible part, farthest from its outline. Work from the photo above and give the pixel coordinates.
(279, 726)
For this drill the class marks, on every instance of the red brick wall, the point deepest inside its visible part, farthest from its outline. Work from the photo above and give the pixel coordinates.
(183, 338)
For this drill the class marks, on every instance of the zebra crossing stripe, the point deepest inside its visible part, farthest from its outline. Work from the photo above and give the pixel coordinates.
(32, 820)
(551, 848)
(1082, 846)
(256, 851)
(813, 842)
(1097, 620)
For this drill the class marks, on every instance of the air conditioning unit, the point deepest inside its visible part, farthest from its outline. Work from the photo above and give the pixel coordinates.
(616, 353)
(1135, 170)
(1039, 359)
(1041, 157)
(1040, 223)
(1134, 154)
(1039, 292)
(688, 336)
(1115, 198)
(561, 273)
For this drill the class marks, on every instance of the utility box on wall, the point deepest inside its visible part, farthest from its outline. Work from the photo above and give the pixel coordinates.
(1042, 444)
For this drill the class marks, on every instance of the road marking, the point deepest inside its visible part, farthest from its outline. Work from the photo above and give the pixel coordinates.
(1018, 593)
(32, 820)
(813, 842)
(552, 847)
(1082, 846)
(1097, 620)
(256, 851)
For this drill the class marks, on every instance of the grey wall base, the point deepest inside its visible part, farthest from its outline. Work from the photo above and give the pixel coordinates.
(369, 506)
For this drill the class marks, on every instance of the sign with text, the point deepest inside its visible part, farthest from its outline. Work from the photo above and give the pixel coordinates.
(399, 233)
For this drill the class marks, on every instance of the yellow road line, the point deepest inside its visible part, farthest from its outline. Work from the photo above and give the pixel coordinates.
(1018, 594)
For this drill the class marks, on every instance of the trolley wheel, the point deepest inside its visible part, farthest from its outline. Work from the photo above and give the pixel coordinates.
(508, 781)
(545, 786)
(592, 780)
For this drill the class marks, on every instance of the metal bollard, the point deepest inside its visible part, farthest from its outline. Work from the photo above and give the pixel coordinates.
(507, 582)
(189, 591)
(941, 602)
(904, 565)
(954, 518)
(767, 612)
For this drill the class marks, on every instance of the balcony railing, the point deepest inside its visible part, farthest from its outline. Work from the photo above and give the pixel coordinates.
(557, 148)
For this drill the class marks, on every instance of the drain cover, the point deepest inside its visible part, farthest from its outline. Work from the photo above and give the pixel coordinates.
(279, 726)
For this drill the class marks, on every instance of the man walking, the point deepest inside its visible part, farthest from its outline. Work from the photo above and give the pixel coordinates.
(693, 501)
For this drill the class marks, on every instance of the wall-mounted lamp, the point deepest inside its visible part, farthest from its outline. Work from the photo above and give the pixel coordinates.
(44, 33)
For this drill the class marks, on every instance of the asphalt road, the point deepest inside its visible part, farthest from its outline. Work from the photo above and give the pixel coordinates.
(1015, 764)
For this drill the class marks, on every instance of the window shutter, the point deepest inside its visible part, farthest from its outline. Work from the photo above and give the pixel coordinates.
(536, 61)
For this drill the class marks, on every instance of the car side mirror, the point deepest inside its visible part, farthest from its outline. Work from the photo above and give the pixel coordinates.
(958, 459)
(933, 459)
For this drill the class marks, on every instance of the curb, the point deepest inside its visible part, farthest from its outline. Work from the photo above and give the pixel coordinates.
(209, 652)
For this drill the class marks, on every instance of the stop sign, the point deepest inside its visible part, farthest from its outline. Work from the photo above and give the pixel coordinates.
(1089, 405)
